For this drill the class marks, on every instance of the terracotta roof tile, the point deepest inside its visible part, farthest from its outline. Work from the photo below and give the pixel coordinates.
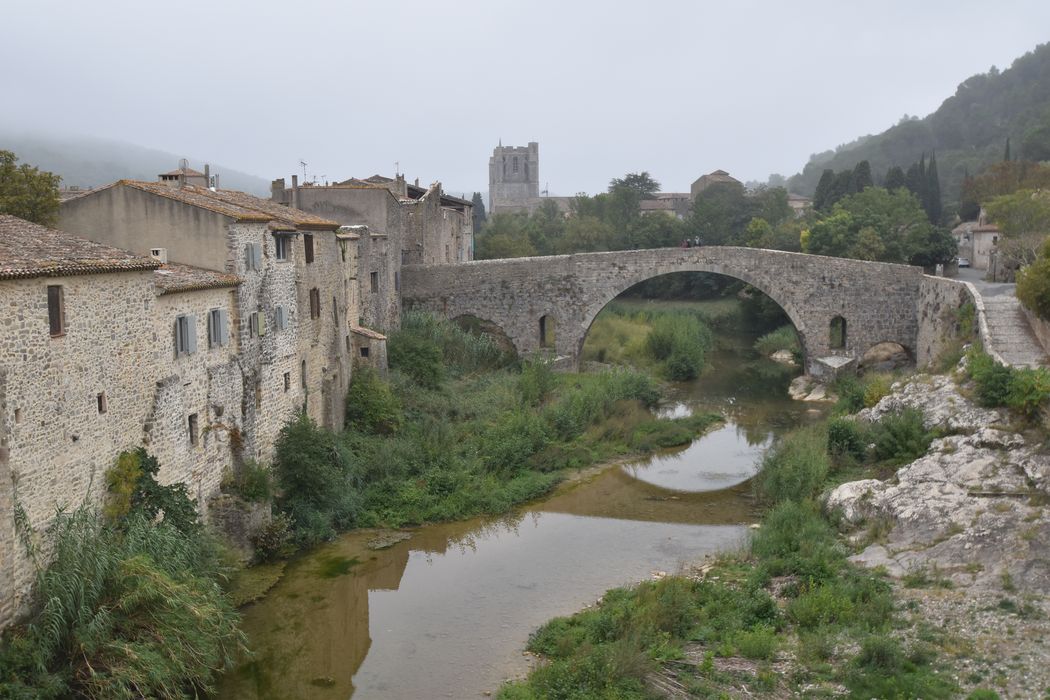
(172, 277)
(31, 250)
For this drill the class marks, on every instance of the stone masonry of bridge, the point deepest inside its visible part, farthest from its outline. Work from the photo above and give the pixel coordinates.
(879, 301)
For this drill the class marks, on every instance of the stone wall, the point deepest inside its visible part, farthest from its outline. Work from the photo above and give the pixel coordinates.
(59, 443)
(878, 300)
(938, 305)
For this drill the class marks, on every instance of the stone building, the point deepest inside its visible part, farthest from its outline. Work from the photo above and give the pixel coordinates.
(718, 177)
(392, 223)
(977, 241)
(514, 178)
(75, 378)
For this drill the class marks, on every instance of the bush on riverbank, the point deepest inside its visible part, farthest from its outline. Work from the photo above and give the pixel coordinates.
(1024, 390)
(792, 590)
(783, 338)
(128, 606)
(478, 442)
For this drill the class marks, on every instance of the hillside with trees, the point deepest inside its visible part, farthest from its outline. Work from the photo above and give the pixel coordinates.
(994, 116)
(90, 162)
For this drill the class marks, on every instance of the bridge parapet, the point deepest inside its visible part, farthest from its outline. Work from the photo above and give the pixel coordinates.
(552, 300)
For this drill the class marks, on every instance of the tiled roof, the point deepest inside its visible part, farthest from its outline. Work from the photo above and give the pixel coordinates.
(188, 172)
(172, 277)
(31, 250)
(367, 333)
(656, 204)
(237, 205)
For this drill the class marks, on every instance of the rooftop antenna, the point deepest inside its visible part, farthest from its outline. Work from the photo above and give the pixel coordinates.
(303, 164)
(397, 168)
(183, 164)
(546, 189)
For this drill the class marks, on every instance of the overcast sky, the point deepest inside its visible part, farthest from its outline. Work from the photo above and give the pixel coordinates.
(675, 88)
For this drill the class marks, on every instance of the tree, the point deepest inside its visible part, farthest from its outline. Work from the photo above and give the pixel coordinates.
(478, 211)
(1036, 144)
(932, 195)
(1024, 220)
(641, 184)
(860, 178)
(820, 197)
(895, 178)
(27, 192)
(915, 180)
(969, 207)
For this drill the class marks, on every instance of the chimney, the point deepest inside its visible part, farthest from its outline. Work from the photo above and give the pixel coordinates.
(207, 175)
(295, 191)
(182, 179)
(417, 182)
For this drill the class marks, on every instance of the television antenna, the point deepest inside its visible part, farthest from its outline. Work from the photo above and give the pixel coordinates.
(302, 164)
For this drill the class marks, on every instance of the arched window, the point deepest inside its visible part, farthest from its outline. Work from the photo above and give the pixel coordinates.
(837, 337)
(546, 332)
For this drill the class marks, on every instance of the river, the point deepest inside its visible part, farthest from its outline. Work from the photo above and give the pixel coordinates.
(447, 613)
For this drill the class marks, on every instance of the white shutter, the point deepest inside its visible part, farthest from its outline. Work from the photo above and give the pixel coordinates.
(224, 327)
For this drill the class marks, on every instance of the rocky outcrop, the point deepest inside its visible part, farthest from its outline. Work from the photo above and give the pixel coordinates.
(971, 508)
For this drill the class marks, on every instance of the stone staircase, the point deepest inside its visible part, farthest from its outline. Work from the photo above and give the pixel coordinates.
(1010, 333)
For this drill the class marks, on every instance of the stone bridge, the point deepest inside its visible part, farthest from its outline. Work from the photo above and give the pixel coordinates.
(550, 302)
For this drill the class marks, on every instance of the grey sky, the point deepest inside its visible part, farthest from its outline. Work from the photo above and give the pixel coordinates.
(675, 88)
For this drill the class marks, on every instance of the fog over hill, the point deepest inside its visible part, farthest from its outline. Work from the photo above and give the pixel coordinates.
(86, 161)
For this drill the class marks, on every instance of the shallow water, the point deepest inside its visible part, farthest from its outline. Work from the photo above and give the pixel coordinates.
(447, 613)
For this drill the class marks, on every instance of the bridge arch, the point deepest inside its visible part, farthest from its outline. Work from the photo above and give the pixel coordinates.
(592, 310)
(878, 300)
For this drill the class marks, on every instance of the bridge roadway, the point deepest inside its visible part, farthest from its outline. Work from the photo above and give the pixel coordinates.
(533, 299)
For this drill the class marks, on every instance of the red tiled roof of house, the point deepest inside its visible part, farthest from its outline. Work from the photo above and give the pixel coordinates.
(31, 250)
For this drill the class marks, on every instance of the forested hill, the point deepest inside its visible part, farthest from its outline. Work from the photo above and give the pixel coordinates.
(968, 131)
(89, 162)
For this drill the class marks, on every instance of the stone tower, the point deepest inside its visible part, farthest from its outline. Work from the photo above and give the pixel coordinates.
(514, 178)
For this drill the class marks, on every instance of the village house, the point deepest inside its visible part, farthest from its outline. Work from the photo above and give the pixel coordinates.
(977, 241)
(76, 382)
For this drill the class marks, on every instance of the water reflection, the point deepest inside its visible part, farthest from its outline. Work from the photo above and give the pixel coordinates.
(447, 613)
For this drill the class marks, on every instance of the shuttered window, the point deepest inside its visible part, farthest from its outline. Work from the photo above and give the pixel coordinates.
(281, 317)
(315, 303)
(253, 256)
(308, 247)
(185, 335)
(56, 312)
(218, 328)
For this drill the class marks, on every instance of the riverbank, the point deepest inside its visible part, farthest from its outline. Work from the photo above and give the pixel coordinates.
(891, 587)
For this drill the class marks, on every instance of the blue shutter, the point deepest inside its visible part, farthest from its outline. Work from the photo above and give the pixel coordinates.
(191, 334)
(224, 327)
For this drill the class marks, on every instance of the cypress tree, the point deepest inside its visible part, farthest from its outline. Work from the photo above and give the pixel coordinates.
(839, 187)
(820, 197)
(861, 178)
(913, 180)
(479, 211)
(895, 178)
(933, 204)
(969, 208)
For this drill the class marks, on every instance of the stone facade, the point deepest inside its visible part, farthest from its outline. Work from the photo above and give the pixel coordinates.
(69, 404)
(528, 297)
(938, 305)
(514, 178)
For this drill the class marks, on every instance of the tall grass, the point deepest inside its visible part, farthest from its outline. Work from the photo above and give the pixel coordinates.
(783, 338)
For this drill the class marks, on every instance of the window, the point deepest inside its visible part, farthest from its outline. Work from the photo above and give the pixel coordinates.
(185, 335)
(308, 246)
(256, 324)
(514, 164)
(287, 381)
(364, 351)
(252, 256)
(302, 374)
(218, 328)
(837, 339)
(448, 254)
(56, 311)
(546, 332)
(335, 311)
(397, 281)
(315, 303)
(281, 317)
(373, 280)
(347, 345)
(194, 435)
(100, 402)
(280, 246)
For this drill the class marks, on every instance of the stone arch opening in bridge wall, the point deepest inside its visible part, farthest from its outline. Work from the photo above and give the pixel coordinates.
(837, 333)
(547, 331)
(792, 314)
(483, 327)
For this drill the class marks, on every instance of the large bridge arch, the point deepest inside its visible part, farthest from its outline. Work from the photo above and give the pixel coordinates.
(878, 300)
(591, 312)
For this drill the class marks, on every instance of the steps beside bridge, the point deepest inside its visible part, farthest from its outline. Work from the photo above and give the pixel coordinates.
(1011, 336)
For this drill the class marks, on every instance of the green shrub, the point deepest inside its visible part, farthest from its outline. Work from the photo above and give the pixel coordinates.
(371, 405)
(758, 643)
(900, 437)
(418, 357)
(875, 388)
(851, 394)
(783, 338)
(252, 481)
(679, 342)
(536, 382)
(123, 610)
(1029, 390)
(846, 439)
(795, 539)
(992, 379)
(1033, 286)
(462, 351)
(275, 540)
(313, 481)
(132, 482)
(983, 694)
(880, 653)
(795, 468)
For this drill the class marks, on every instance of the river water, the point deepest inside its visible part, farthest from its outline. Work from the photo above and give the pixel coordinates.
(447, 613)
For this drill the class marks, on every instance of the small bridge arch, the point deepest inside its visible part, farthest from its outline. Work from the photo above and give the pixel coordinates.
(877, 300)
